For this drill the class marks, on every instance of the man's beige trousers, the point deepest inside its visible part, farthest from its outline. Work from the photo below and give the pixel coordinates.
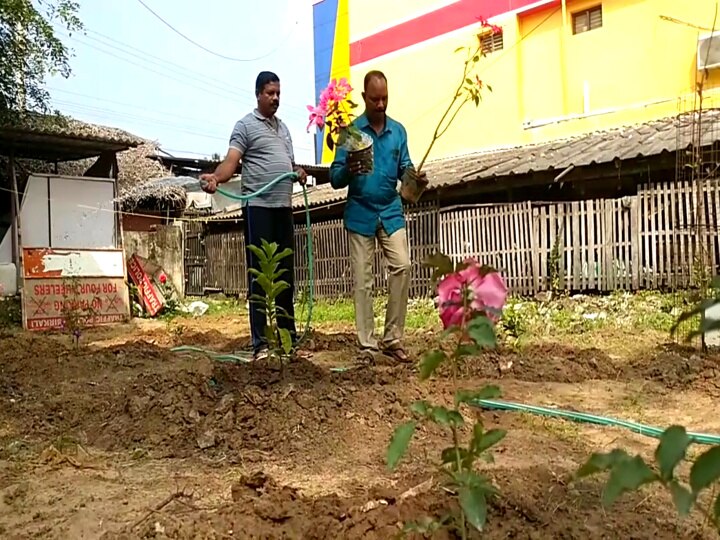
(396, 252)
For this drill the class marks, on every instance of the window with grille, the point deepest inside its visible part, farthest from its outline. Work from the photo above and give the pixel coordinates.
(589, 19)
(491, 42)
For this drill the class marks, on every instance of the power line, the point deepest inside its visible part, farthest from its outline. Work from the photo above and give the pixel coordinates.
(137, 107)
(197, 83)
(221, 84)
(186, 38)
(120, 115)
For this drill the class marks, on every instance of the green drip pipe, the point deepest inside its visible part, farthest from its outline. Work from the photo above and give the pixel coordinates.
(245, 357)
(648, 431)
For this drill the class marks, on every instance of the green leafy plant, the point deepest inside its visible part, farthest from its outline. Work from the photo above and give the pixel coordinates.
(268, 278)
(629, 473)
(469, 295)
(699, 310)
(10, 312)
(31, 49)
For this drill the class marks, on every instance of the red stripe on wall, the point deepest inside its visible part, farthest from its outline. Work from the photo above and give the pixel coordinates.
(436, 23)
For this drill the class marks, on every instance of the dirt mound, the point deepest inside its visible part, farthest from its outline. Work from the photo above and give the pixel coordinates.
(546, 363)
(678, 367)
(236, 409)
(533, 505)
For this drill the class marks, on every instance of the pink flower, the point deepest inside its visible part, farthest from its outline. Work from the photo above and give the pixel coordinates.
(485, 24)
(317, 117)
(163, 279)
(467, 293)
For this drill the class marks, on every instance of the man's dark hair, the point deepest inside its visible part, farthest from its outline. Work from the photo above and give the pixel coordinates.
(263, 78)
(374, 74)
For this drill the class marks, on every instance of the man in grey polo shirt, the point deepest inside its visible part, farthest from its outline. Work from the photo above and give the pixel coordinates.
(264, 144)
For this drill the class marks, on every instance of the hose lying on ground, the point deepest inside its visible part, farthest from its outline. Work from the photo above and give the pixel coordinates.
(648, 431)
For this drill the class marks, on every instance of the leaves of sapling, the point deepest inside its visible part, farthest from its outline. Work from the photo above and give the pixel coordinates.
(287, 252)
(278, 287)
(482, 332)
(421, 408)
(455, 418)
(399, 443)
(467, 349)
(469, 396)
(627, 475)
(483, 441)
(440, 415)
(430, 363)
(671, 450)
(682, 498)
(258, 252)
(601, 462)
(285, 340)
(451, 455)
(474, 504)
(706, 470)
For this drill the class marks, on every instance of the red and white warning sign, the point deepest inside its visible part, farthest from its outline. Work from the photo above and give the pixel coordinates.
(57, 282)
(140, 271)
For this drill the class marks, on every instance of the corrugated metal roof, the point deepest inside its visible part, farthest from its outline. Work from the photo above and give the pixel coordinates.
(640, 140)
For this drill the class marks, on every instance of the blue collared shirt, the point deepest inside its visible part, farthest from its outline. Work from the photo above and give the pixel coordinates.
(373, 200)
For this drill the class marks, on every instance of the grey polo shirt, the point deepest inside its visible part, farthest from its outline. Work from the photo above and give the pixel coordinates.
(267, 152)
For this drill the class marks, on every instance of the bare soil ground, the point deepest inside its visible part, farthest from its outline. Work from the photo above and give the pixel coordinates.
(125, 439)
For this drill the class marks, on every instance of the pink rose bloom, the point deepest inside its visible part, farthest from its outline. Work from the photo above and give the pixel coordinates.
(450, 303)
(481, 294)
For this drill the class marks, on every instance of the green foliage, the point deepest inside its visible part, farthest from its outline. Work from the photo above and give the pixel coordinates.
(698, 311)
(268, 277)
(10, 312)
(457, 461)
(30, 50)
(629, 473)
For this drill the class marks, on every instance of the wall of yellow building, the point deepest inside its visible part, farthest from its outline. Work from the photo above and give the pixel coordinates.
(635, 68)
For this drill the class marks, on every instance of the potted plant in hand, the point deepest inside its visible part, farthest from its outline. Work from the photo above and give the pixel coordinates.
(469, 90)
(334, 110)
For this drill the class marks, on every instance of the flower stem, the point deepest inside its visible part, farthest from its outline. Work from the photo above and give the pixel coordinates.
(458, 464)
(437, 134)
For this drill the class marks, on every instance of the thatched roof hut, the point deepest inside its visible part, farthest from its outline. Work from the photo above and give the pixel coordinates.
(136, 167)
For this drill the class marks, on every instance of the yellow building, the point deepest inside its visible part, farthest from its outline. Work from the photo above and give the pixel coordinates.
(559, 68)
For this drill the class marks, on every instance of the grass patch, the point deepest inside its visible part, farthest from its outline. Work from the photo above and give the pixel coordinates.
(522, 320)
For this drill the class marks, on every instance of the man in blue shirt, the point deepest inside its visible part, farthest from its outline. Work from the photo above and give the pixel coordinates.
(374, 212)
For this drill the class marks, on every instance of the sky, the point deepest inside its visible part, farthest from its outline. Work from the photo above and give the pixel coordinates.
(133, 72)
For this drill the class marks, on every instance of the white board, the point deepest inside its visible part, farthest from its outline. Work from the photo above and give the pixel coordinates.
(34, 217)
(81, 213)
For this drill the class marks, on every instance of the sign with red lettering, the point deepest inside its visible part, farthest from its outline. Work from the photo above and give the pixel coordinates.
(84, 284)
(46, 302)
(151, 297)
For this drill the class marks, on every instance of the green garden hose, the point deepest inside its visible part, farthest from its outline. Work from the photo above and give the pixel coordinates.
(648, 431)
(311, 272)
